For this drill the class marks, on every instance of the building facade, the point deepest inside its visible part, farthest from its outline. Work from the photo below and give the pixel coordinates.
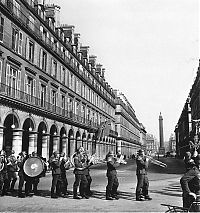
(128, 127)
(53, 94)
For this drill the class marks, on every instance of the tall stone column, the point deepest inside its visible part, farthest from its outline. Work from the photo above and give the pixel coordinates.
(32, 142)
(17, 140)
(161, 148)
(1, 137)
(45, 142)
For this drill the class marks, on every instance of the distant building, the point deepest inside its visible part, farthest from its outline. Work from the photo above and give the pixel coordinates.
(151, 144)
(172, 143)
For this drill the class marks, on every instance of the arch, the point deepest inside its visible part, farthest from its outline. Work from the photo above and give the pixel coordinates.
(28, 127)
(71, 148)
(54, 140)
(42, 130)
(63, 140)
(78, 141)
(11, 123)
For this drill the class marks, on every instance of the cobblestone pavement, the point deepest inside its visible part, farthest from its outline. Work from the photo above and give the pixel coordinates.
(164, 188)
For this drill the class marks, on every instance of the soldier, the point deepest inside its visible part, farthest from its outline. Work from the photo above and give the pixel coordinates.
(79, 161)
(65, 165)
(86, 172)
(190, 183)
(142, 179)
(20, 162)
(56, 174)
(111, 188)
(4, 182)
(12, 170)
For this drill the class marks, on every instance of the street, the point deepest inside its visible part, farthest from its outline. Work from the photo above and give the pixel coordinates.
(164, 188)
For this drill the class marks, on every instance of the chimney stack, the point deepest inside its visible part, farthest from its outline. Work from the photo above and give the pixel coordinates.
(69, 32)
(52, 12)
(92, 60)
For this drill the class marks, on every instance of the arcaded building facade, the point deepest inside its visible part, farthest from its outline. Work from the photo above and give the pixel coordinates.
(131, 133)
(53, 94)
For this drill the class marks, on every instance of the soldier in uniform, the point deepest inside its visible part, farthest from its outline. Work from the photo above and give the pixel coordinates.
(79, 161)
(86, 172)
(142, 179)
(65, 165)
(4, 182)
(56, 174)
(112, 186)
(12, 170)
(190, 183)
(20, 162)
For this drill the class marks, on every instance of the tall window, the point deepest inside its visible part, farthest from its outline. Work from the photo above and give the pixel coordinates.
(30, 88)
(70, 106)
(31, 23)
(13, 81)
(1, 28)
(54, 68)
(53, 99)
(16, 8)
(62, 74)
(17, 38)
(43, 60)
(43, 92)
(1, 65)
(30, 48)
(63, 104)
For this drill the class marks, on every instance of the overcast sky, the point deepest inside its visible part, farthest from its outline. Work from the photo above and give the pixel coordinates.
(149, 48)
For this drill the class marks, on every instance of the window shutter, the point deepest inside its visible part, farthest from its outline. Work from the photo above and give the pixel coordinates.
(1, 63)
(40, 61)
(27, 48)
(34, 88)
(18, 83)
(25, 84)
(20, 43)
(7, 74)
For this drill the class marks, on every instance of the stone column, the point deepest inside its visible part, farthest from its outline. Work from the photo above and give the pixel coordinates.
(32, 142)
(45, 142)
(17, 140)
(1, 137)
(55, 142)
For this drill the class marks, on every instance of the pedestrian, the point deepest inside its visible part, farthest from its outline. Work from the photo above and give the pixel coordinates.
(4, 182)
(113, 183)
(79, 161)
(142, 178)
(12, 170)
(56, 174)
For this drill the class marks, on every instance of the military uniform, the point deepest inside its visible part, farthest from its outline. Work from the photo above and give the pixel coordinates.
(79, 161)
(56, 175)
(142, 179)
(12, 171)
(4, 182)
(113, 183)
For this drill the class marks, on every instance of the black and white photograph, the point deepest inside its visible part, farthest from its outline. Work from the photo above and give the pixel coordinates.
(99, 106)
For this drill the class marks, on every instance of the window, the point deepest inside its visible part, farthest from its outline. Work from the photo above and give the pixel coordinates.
(13, 81)
(31, 23)
(54, 99)
(62, 74)
(1, 65)
(70, 106)
(54, 68)
(43, 92)
(43, 60)
(16, 8)
(30, 47)
(30, 88)
(1, 28)
(17, 41)
(62, 101)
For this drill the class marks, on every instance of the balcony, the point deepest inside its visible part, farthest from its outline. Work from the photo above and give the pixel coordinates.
(13, 95)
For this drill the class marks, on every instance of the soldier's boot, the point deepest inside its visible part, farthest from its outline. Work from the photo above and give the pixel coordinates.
(108, 195)
(75, 195)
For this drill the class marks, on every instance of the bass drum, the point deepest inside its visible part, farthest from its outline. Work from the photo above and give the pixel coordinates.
(34, 167)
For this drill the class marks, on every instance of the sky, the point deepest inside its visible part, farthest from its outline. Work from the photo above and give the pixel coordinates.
(149, 49)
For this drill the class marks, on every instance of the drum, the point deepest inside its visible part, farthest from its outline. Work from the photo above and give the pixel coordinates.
(33, 167)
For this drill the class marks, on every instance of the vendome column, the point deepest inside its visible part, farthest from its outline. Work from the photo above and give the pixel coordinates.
(161, 148)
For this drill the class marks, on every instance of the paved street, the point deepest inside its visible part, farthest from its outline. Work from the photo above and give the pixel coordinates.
(164, 188)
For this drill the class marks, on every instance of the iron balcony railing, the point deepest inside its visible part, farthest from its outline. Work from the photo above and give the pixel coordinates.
(18, 95)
